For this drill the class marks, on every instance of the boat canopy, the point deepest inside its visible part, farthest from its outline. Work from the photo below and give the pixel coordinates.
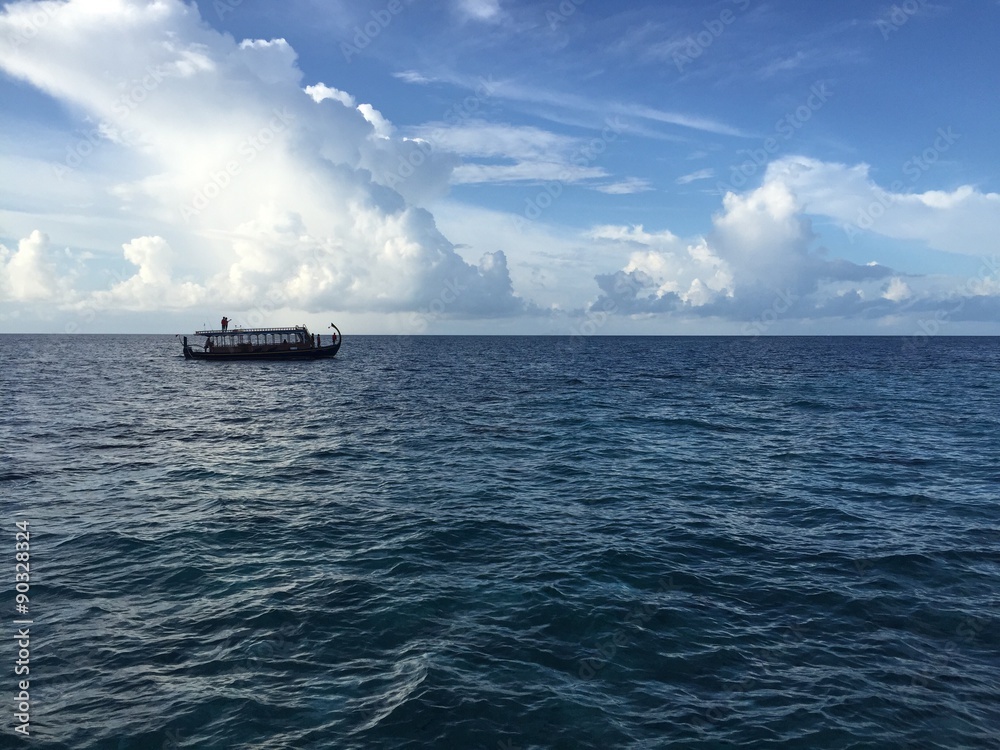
(255, 331)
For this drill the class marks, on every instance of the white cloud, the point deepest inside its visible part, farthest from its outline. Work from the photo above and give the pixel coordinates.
(550, 265)
(897, 290)
(480, 10)
(693, 122)
(320, 92)
(963, 221)
(28, 274)
(481, 139)
(762, 235)
(272, 60)
(413, 76)
(249, 190)
(623, 116)
(626, 187)
(383, 128)
(759, 254)
(701, 174)
(762, 261)
(635, 235)
(537, 171)
(663, 267)
(152, 286)
(783, 64)
(501, 153)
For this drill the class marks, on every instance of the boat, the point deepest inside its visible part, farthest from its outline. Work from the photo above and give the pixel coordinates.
(239, 344)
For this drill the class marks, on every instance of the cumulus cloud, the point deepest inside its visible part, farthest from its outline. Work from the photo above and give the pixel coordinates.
(28, 274)
(152, 286)
(320, 92)
(762, 260)
(382, 127)
(250, 185)
(897, 290)
(964, 221)
(760, 253)
(663, 272)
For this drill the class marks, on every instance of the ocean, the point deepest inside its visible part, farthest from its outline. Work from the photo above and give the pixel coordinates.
(505, 543)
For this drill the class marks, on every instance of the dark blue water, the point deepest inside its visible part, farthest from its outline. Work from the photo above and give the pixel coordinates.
(507, 543)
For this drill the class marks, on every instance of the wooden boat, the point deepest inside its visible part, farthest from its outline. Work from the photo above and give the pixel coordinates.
(239, 344)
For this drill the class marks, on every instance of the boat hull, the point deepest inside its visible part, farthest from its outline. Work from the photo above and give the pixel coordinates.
(321, 352)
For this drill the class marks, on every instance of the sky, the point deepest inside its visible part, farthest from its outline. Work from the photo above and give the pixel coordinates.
(571, 167)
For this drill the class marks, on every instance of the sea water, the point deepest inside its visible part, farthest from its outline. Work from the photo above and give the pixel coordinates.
(502, 543)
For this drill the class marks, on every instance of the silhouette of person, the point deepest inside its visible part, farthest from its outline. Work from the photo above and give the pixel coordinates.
(225, 323)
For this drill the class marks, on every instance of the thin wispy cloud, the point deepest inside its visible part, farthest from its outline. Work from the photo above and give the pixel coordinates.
(630, 186)
(701, 174)
(599, 110)
(479, 10)
(783, 65)
(413, 76)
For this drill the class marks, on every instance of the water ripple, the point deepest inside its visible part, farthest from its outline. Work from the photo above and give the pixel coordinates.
(510, 543)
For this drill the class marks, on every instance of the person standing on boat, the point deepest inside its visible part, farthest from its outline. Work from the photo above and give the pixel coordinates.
(225, 323)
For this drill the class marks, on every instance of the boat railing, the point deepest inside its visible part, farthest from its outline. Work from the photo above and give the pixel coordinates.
(231, 331)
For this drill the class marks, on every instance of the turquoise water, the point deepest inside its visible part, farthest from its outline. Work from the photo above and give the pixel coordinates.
(508, 543)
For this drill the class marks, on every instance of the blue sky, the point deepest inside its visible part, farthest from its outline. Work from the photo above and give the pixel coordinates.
(467, 166)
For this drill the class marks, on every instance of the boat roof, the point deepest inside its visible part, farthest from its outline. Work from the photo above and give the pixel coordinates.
(231, 331)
